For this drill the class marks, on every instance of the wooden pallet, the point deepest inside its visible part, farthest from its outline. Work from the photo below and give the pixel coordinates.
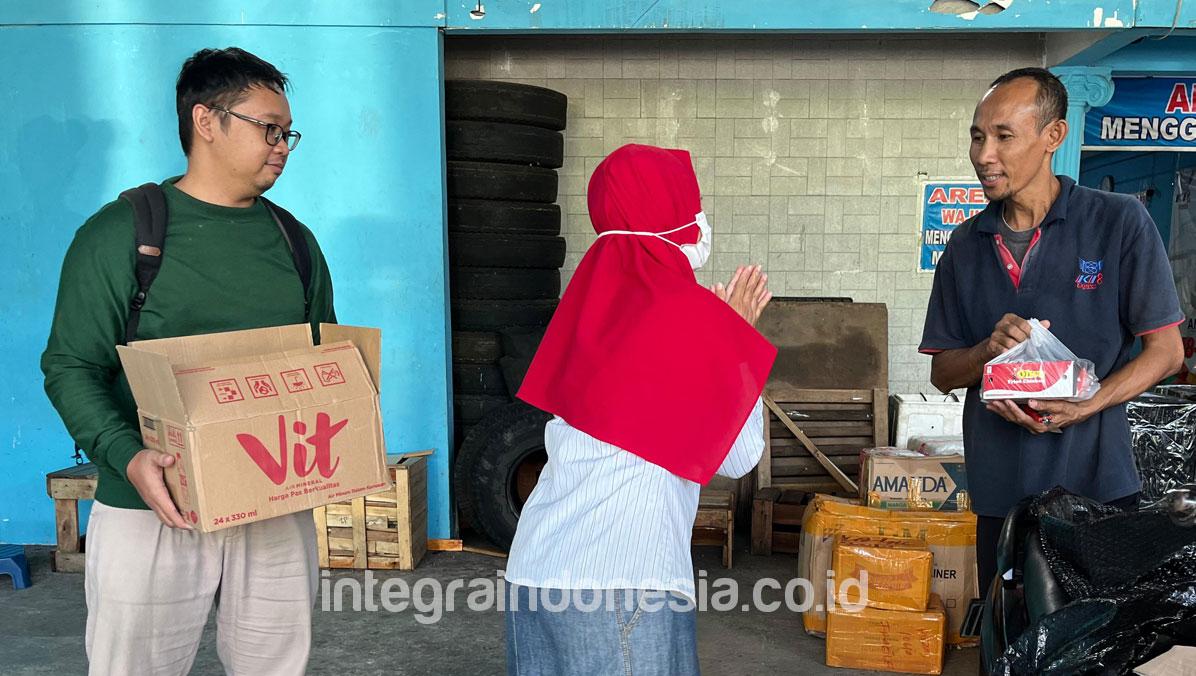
(715, 522)
(67, 487)
(387, 530)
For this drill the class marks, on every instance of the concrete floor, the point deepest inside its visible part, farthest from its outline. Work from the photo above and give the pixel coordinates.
(41, 629)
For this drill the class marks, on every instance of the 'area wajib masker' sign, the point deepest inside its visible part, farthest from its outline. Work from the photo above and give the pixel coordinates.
(943, 206)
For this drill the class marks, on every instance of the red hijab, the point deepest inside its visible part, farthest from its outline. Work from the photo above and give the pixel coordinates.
(638, 354)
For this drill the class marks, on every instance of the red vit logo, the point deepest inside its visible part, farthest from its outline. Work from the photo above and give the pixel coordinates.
(320, 443)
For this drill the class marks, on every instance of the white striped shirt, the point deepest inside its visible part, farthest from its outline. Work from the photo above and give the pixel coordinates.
(603, 518)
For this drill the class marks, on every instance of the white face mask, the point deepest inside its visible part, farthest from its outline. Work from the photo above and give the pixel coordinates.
(697, 254)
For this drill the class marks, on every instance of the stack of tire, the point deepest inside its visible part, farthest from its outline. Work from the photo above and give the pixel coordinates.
(504, 143)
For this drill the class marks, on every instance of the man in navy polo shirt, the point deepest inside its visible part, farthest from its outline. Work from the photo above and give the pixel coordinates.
(1091, 264)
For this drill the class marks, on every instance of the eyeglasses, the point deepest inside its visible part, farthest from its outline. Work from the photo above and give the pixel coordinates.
(274, 133)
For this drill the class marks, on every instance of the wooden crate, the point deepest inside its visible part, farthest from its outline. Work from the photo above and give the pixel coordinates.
(836, 426)
(387, 530)
(776, 520)
(67, 487)
(715, 521)
(838, 423)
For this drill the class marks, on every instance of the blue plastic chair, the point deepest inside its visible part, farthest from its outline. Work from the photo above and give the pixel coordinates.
(14, 564)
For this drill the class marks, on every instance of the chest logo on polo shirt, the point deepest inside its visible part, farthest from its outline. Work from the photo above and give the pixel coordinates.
(1090, 275)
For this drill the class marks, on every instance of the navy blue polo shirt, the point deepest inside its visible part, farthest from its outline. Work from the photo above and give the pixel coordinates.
(1098, 271)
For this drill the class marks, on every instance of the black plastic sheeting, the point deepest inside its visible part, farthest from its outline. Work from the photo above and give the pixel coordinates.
(1163, 433)
(1131, 578)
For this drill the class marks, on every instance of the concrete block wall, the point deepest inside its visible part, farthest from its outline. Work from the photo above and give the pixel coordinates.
(808, 149)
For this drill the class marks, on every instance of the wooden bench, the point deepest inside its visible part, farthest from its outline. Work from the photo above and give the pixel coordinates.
(67, 487)
(715, 522)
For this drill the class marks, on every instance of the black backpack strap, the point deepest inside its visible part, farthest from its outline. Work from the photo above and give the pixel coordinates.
(292, 232)
(149, 221)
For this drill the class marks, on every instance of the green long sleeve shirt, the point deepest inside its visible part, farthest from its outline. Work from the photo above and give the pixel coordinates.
(223, 269)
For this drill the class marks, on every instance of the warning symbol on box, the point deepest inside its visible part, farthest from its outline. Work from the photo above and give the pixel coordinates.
(330, 374)
(296, 381)
(261, 386)
(174, 435)
(227, 391)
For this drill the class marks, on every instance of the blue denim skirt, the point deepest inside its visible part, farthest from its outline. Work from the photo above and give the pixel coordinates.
(600, 632)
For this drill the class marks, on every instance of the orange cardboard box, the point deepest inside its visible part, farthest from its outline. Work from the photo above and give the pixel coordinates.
(894, 572)
(261, 422)
(950, 536)
(887, 640)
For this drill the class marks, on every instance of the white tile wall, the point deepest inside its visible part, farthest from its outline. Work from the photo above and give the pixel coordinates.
(808, 149)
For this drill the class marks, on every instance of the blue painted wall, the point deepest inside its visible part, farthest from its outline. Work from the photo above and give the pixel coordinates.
(602, 15)
(1162, 14)
(381, 13)
(1134, 172)
(796, 15)
(89, 111)
(1174, 55)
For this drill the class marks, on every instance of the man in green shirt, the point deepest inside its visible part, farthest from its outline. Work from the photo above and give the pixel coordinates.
(226, 265)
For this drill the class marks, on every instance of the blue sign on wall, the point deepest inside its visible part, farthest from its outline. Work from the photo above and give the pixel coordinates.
(943, 206)
(1145, 113)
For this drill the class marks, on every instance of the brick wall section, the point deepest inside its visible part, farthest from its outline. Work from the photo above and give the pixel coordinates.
(808, 149)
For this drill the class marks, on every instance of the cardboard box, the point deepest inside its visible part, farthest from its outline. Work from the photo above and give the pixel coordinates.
(898, 479)
(887, 640)
(951, 537)
(894, 573)
(261, 422)
(1033, 380)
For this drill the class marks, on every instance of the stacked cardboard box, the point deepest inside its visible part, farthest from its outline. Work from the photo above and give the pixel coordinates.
(885, 617)
(901, 641)
(950, 537)
(893, 573)
(894, 478)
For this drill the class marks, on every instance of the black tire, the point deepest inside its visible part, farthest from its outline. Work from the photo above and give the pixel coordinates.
(501, 142)
(506, 251)
(490, 181)
(478, 379)
(496, 315)
(468, 409)
(478, 347)
(513, 371)
(487, 463)
(481, 429)
(460, 430)
(506, 283)
(468, 215)
(492, 101)
(521, 342)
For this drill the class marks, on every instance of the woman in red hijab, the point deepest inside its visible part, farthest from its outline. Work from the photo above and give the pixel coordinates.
(655, 383)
